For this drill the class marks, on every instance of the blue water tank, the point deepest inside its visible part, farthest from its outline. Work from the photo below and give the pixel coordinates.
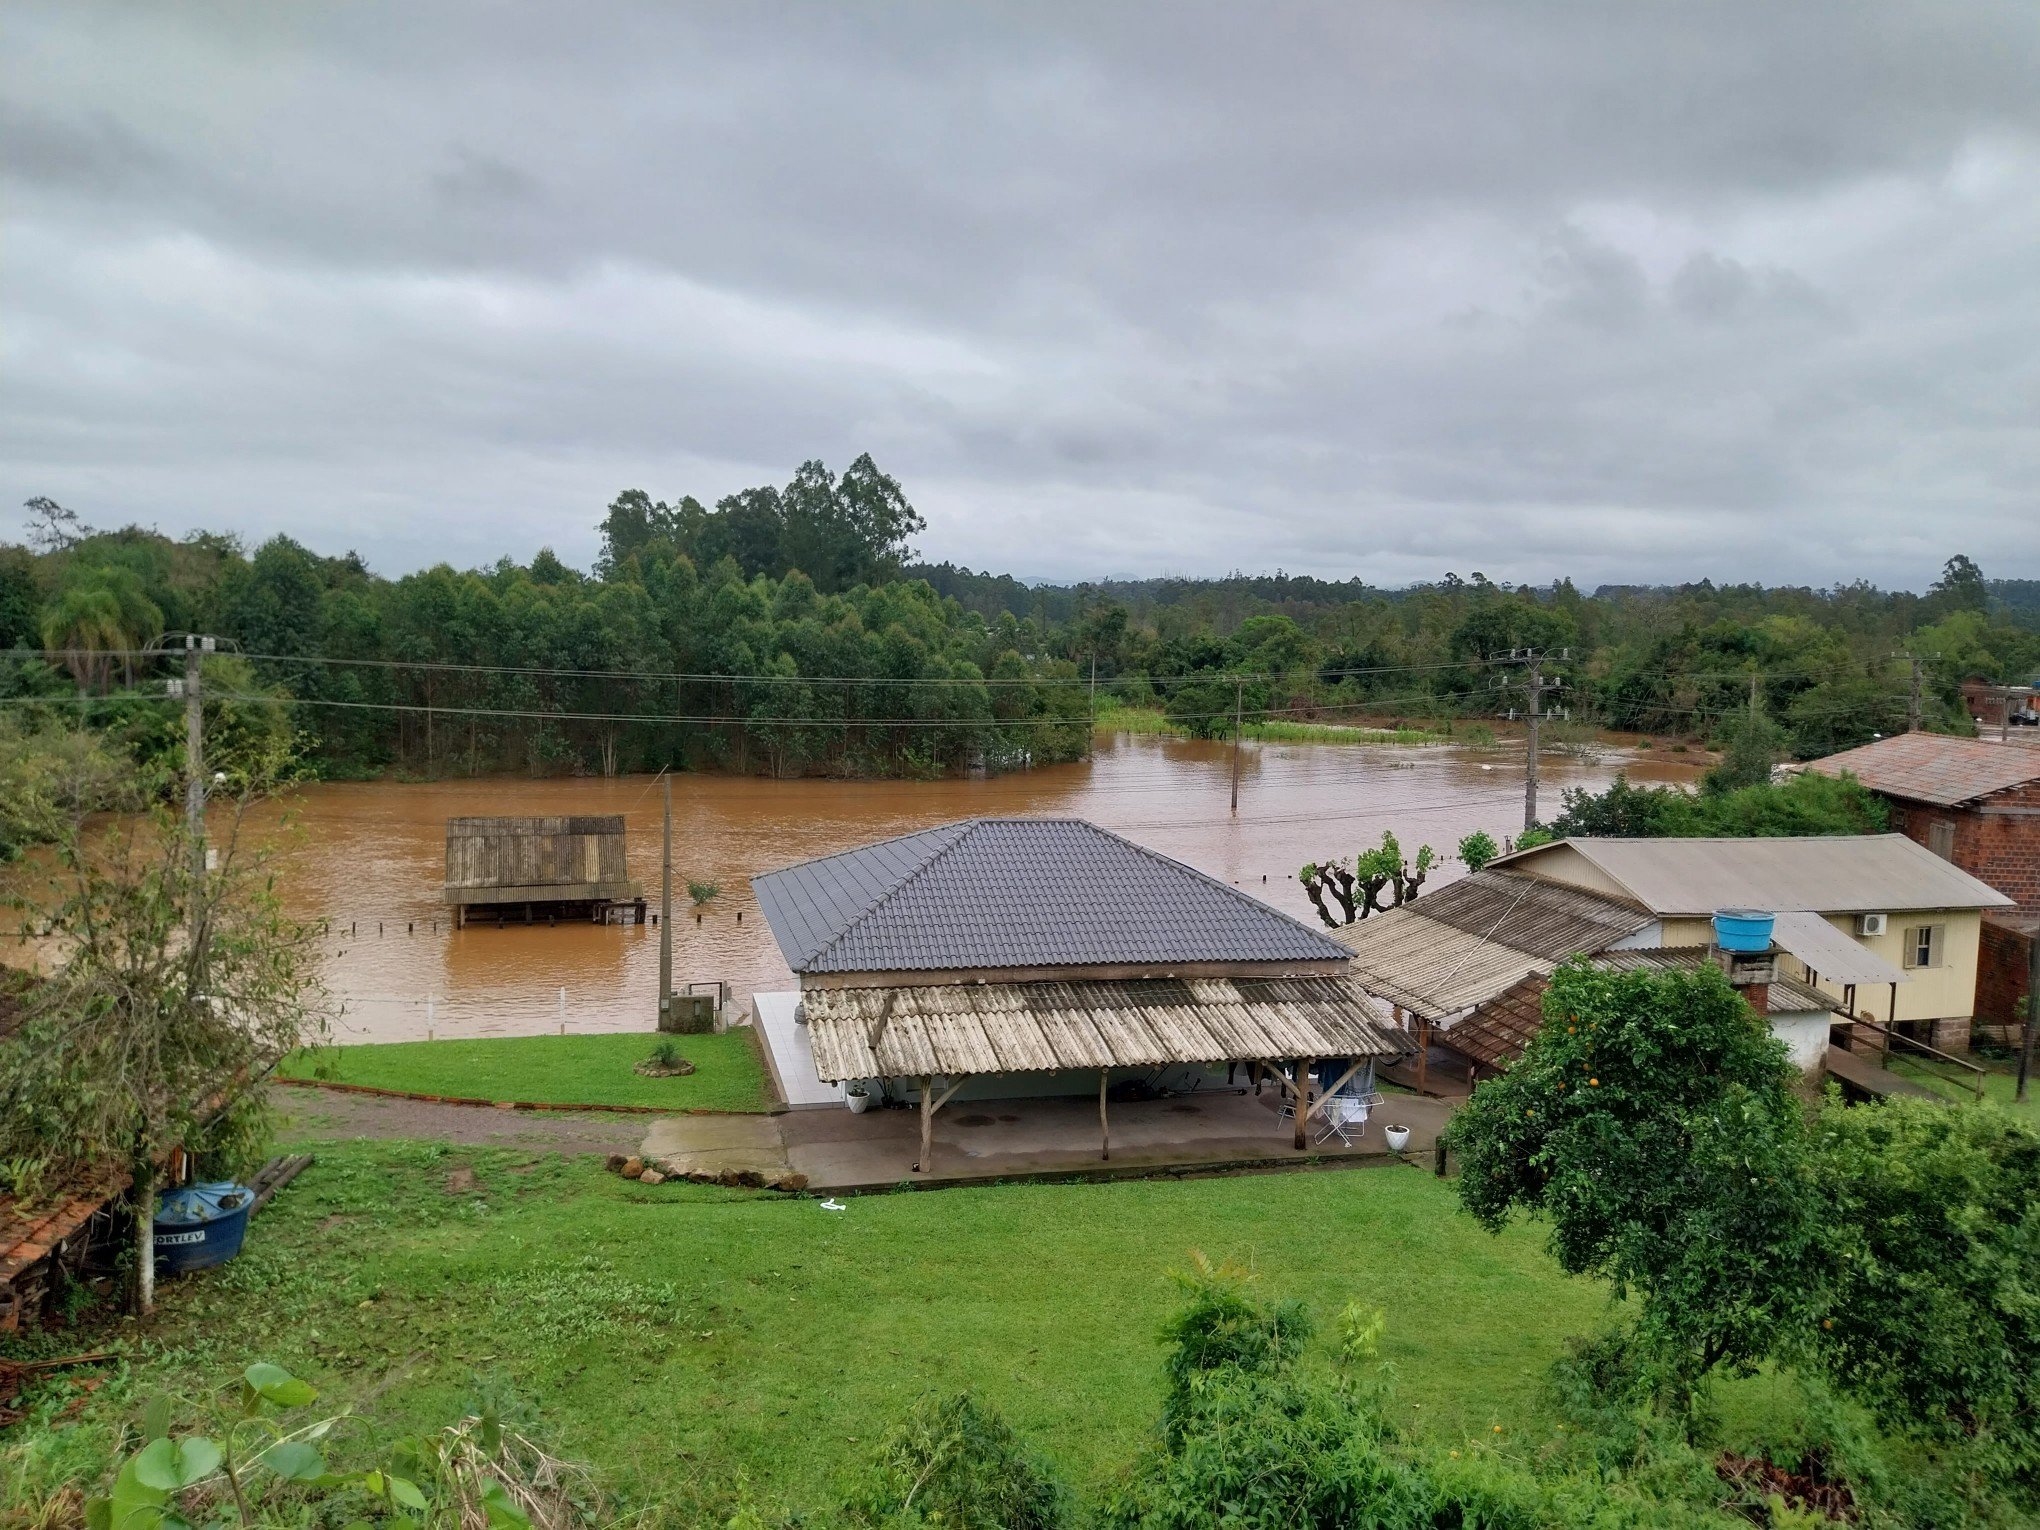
(200, 1226)
(1743, 929)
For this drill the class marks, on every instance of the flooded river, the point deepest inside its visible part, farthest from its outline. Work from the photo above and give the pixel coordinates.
(370, 859)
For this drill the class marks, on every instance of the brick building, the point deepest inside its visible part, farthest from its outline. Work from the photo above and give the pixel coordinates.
(1975, 802)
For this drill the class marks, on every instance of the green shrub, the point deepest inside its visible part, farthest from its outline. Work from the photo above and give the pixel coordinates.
(1932, 1318)
(954, 1463)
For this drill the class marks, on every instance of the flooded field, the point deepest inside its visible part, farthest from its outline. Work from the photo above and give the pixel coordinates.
(369, 858)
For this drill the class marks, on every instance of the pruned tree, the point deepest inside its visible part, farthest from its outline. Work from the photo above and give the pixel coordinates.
(171, 987)
(1359, 888)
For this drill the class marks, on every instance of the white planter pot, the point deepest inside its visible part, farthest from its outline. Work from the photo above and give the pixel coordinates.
(1398, 1138)
(859, 1103)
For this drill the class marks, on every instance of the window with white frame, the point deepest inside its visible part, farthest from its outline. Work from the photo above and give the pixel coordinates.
(1923, 943)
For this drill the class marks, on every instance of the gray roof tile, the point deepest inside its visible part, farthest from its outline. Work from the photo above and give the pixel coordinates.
(1018, 893)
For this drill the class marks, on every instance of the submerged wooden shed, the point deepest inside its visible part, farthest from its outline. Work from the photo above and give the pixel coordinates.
(531, 867)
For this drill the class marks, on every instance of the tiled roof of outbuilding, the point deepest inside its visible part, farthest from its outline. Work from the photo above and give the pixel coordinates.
(1019, 893)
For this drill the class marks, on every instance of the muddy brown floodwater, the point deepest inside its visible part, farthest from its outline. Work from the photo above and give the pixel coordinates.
(370, 859)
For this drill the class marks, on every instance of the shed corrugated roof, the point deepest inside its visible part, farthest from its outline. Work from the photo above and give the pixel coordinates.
(1472, 939)
(1830, 952)
(991, 893)
(1828, 873)
(1934, 767)
(1789, 996)
(1496, 1032)
(951, 1029)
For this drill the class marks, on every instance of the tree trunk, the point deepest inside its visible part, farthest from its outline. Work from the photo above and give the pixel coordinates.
(1341, 883)
(1316, 890)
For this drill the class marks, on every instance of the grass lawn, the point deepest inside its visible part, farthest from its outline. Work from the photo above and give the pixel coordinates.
(1999, 1082)
(552, 1070)
(677, 1336)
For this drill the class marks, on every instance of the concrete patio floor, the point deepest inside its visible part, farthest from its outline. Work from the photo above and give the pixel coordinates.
(979, 1140)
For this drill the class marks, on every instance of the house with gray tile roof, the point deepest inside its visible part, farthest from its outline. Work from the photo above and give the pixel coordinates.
(1023, 957)
(1003, 897)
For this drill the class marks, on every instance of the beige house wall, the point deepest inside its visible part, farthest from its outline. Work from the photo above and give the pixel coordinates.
(1562, 863)
(1944, 992)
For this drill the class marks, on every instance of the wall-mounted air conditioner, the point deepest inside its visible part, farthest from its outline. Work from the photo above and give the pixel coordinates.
(1871, 924)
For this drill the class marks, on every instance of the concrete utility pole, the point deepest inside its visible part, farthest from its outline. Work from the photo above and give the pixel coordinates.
(1912, 700)
(1535, 685)
(666, 911)
(196, 647)
(1091, 738)
(1238, 718)
(194, 754)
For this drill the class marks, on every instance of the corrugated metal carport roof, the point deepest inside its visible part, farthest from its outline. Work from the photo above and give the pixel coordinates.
(1467, 942)
(968, 1028)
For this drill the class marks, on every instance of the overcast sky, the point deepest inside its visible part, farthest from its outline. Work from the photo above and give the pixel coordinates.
(1621, 291)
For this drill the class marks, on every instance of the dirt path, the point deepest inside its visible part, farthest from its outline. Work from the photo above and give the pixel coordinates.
(309, 1115)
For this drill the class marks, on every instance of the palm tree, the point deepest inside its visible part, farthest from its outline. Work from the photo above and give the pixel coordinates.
(103, 616)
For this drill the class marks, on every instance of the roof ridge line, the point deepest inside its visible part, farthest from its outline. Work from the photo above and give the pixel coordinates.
(968, 826)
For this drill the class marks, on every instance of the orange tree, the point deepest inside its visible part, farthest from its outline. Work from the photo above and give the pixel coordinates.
(1653, 1124)
(1932, 1319)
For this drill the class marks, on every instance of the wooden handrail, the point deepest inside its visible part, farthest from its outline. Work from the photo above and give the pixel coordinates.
(1917, 1045)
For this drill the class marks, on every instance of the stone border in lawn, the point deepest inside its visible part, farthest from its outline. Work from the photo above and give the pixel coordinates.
(455, 1099)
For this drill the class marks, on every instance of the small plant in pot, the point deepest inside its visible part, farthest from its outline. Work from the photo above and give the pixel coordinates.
(859, 1098)
(1398, 1138)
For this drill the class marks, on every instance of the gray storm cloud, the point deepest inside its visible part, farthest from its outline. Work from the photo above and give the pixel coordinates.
(1615, 291)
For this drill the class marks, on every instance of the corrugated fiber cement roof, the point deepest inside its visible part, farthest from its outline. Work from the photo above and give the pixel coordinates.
(1933, 767)
(1015, 893)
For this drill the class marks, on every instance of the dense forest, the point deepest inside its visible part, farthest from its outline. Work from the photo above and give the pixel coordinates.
(787, 630)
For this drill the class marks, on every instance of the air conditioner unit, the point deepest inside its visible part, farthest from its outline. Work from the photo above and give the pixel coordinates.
(1871, 924)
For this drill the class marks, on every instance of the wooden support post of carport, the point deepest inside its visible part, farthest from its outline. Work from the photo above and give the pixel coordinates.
(1104, 1126)
(1303, 1067)
(929, 1105)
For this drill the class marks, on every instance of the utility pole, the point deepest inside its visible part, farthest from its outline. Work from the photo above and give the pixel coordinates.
(1912, 700)
(1091, 739)
(196, 647)
(194, 757)
(1238, 718)
(666, 910)
(1535, 685)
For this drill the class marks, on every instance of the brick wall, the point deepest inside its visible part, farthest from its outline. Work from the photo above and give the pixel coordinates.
(1997, 841)
(2001, 974)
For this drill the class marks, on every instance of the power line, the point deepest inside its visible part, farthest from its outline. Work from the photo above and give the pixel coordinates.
(563, 672)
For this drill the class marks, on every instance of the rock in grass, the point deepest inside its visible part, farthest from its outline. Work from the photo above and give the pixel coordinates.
(651, 1177)
(614, 1163)
(633, 1166)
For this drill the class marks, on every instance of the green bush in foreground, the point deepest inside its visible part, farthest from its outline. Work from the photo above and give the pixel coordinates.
(1933, 1311)
(954, 1463)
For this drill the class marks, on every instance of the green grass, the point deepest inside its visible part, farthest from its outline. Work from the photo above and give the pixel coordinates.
(1125, 719)
(552, 1070)
(677, 1336)
(1999, 1081)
